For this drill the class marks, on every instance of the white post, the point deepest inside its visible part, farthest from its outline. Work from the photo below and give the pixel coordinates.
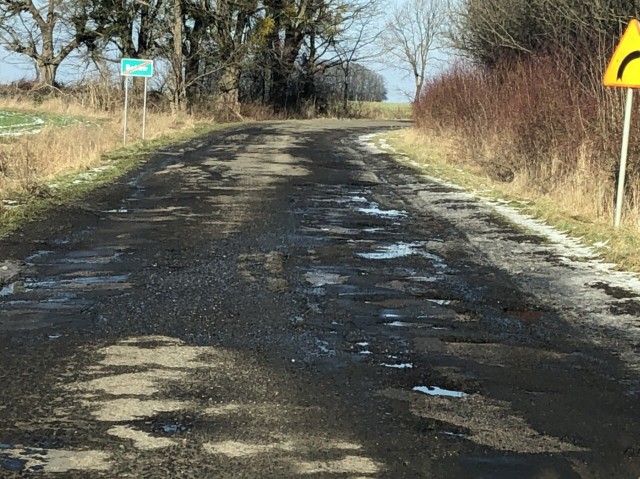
(144, 108)
(126, 107)
(623, 157)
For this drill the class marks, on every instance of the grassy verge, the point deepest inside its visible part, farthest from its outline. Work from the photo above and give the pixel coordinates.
(436, 156)
(72, 181)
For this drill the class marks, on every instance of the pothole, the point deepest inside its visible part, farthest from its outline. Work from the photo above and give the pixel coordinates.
(319, 278)
(171, 428)
(374, 210)
(399, 324)
(436, 391)
(398, 366)
(402, 250)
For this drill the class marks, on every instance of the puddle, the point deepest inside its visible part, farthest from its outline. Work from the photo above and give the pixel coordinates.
(452, 434)
(441, 302)
(37, 255)
(53, 337)
(119, 210)
(366, 352)
(373, 230)
(8, 290)
(363, 344)
(399, 324)
(425, 279)
(170, 428)
(318, 279)
(374, 210)
(323, 346)
(88, 280)
(398, 366)
(436, 391)
(402, 250)
(339, 230)
(12, 464)
(391, 315)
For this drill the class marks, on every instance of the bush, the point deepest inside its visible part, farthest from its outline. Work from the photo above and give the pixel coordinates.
(534, 123)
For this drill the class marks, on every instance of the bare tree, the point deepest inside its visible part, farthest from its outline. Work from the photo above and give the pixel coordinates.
(46, 31)
(358, 41)
(412, 35)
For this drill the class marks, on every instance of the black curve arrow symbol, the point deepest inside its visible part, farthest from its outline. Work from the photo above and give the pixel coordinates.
(625, 63)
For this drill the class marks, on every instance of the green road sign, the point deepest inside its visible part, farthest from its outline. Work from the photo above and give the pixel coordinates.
(134, 67)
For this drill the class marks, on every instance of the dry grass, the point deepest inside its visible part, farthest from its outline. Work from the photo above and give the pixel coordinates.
(538, 130)
(379, 110)
(28, 163)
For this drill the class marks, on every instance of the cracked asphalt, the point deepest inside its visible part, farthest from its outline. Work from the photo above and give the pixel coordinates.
(284, 301)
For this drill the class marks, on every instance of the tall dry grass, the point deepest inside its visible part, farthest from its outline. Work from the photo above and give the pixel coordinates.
(539, 131)
(29, 162)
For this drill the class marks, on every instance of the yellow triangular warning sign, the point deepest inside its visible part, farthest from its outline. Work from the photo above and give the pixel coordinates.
(624, 67)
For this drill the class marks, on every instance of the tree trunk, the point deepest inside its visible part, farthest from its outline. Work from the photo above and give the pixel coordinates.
(46, 72)
(229, 86)
(419, 83)
(46, 64)
(177, 62)
(345, 88)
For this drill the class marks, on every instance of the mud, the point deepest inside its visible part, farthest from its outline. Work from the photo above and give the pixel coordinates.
(279, 301)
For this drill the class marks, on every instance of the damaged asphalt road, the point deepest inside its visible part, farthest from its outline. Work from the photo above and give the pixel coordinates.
(283, 301)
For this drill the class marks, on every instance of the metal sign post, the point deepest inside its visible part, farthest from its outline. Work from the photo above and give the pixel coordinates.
(623, 71)
(126, 108)
(134, 67)
(144, 108)
(623, 157)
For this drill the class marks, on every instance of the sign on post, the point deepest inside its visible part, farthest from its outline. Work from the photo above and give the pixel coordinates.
(624, 72)
(135, 67)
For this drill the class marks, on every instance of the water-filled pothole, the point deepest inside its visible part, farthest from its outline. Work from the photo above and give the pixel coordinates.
(436, 391)
(374, 210)
(320, 278)
(398, 366)
(399, 324)
(402, 250)
(171, 428)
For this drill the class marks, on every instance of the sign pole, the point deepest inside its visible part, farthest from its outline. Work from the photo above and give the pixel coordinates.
(126, 107)
(144, 108)
(135, 67)
(623, 156)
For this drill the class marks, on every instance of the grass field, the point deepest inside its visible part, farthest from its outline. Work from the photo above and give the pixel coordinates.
(378, 110)
(17, 123)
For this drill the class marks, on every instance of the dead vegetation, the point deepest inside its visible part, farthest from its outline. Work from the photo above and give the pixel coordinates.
(30, 162)
(537, 131)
